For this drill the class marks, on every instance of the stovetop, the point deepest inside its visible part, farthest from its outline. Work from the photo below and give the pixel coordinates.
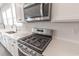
(37, 41)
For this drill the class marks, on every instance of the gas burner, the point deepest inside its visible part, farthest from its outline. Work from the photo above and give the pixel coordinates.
(37, 41)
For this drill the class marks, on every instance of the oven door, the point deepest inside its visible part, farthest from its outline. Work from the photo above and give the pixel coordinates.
(22, 53)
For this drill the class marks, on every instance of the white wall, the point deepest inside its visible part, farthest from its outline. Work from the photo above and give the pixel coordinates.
(65, 31)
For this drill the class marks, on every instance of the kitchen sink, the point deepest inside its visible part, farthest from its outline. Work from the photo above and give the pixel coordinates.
(11, 32)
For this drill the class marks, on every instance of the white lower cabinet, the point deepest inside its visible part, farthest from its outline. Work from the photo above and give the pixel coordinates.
(10, 44)
(4, 41)
(0, 37)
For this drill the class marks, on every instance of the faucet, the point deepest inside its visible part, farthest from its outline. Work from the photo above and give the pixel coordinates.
(14, 26)
(3, 25)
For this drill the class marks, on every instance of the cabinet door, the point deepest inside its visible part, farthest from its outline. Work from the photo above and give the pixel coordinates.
(1, 21)
(0, 37)
(65, 12)
(10, 44)
(19, 12)
(12, 47)
(4, 41)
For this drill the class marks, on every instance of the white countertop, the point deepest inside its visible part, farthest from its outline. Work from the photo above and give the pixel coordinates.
(58, 47)
(17, 35)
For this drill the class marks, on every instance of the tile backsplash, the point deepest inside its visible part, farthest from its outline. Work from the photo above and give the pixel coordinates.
(65, 31)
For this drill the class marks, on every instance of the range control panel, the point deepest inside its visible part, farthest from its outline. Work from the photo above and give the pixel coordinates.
(27, 51)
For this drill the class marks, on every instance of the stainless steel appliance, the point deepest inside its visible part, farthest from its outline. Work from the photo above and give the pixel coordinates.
(35, 44)
(37, 11)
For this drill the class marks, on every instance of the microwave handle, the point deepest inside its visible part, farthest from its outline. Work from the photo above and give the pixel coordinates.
(41, 9)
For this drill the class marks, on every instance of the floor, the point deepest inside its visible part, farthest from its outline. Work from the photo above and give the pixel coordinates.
(3, 51)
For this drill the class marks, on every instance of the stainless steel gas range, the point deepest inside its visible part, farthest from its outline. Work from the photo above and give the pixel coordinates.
(35, 44)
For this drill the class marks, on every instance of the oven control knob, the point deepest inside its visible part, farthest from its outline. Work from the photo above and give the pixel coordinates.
(33, 53)
(20, 45)
(24, 46)
(29, 50)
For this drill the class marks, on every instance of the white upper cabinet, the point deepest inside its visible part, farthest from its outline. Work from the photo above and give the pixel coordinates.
(12, 14)
(4, 17)
(1, 21)
(65, 12)
(7, 14)
(19, 12)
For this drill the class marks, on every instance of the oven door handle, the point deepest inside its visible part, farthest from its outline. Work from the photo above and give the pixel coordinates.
(23, 52)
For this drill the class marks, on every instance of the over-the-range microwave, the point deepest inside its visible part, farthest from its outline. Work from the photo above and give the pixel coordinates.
(37, 11)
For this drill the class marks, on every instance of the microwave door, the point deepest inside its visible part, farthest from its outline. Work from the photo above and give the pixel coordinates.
(44, 10)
